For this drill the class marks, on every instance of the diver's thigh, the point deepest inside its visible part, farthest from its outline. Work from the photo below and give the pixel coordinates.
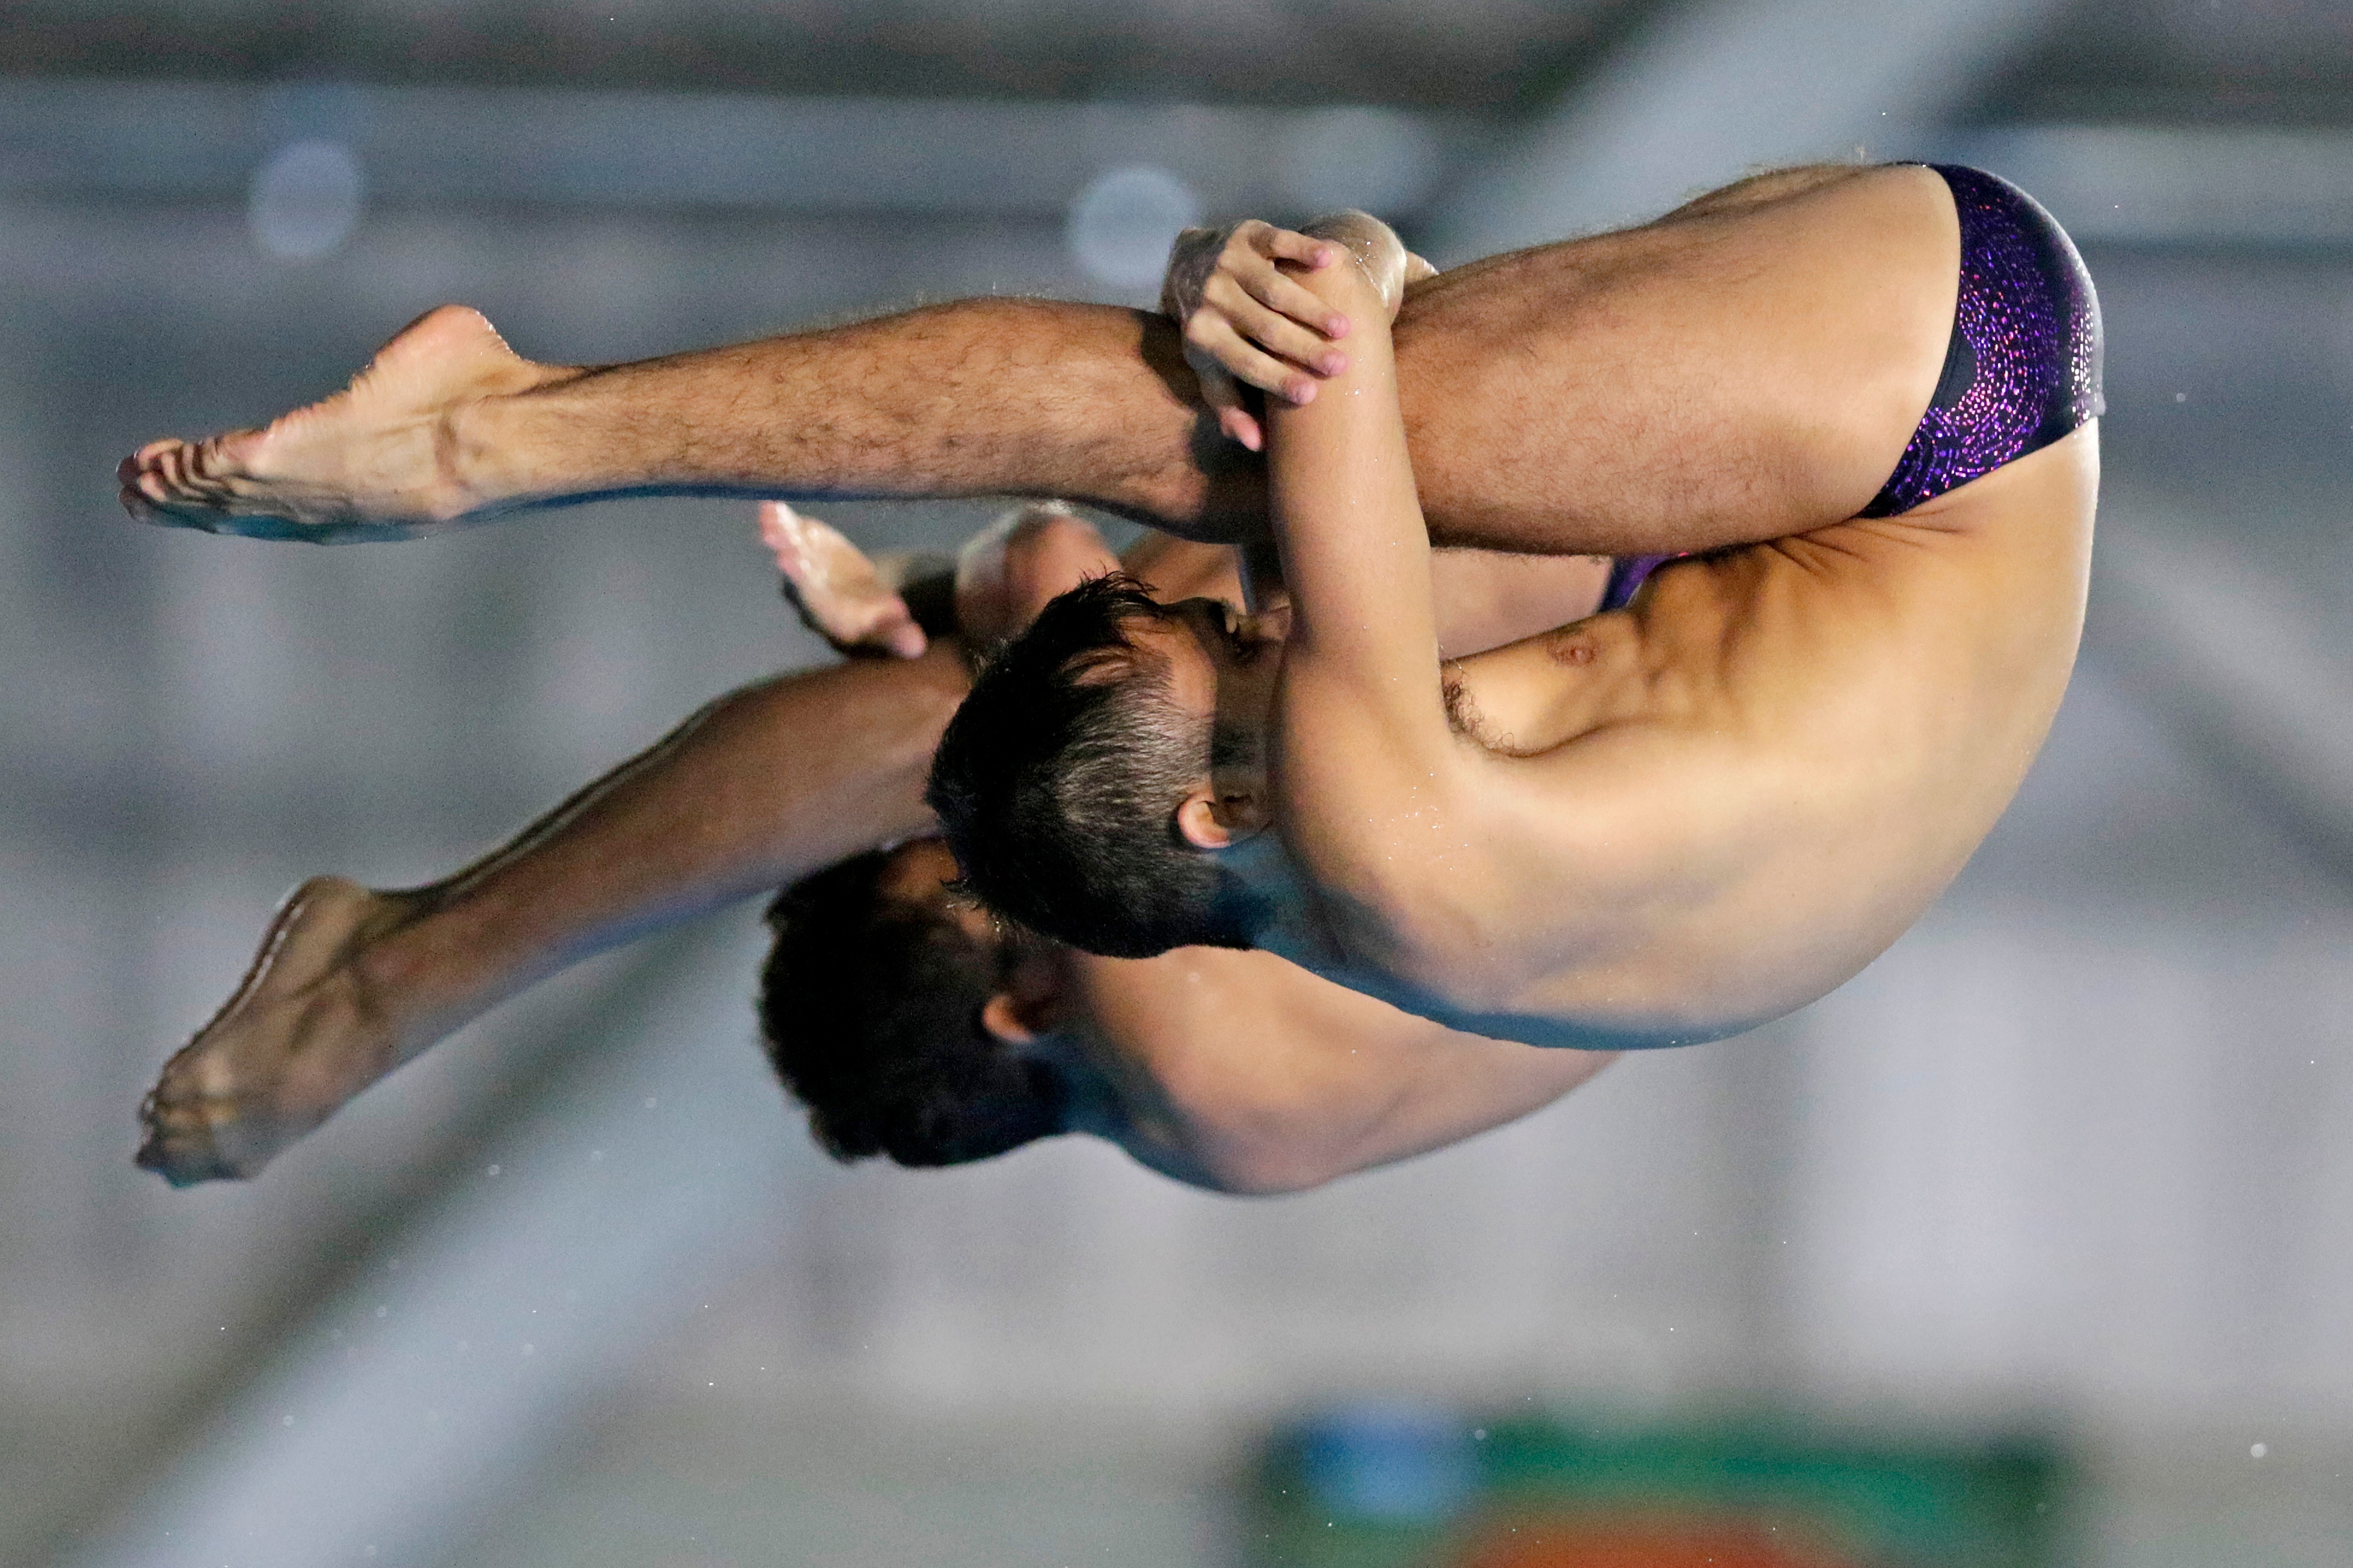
(1720, 379)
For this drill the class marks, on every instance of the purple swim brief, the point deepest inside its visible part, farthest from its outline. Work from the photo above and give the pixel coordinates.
(2022, 371)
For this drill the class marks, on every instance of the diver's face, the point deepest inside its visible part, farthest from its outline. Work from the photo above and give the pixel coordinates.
(1225, 664)
(1226, 667)
(1030, 1003)
(919, 871)
(918, 874)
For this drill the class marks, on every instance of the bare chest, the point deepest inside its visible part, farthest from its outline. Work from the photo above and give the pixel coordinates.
(1533, 696)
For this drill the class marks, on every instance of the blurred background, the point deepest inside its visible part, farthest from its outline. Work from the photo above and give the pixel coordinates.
(2055, 1202)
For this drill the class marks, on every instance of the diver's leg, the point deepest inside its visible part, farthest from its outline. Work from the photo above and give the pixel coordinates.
(1740, 371)
(977, 397)
(1746, 368)
(757, 789)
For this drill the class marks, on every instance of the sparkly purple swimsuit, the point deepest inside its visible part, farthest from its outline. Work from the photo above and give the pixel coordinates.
(2022, 370)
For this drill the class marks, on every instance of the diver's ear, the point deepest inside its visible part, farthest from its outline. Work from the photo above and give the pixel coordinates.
(1031, 1002)
(1210, 820)
(1001, 1016)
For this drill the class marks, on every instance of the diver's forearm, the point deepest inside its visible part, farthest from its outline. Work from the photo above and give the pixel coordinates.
(1347, 522)
(1362, 741)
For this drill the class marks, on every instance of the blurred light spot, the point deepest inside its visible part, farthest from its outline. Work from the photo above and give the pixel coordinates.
(305, 200)
(1377, 159)
(1395, 1463)
(1122, 225)
(2258, 1451)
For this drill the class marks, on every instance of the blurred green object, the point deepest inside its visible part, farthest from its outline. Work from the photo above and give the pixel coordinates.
(1404, 1486)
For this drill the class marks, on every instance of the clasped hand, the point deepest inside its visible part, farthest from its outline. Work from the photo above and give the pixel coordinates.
(1247, 321)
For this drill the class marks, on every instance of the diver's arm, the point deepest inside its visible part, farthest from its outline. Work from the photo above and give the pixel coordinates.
(1387, 1096)
(1370, 780)
(1243, 1073)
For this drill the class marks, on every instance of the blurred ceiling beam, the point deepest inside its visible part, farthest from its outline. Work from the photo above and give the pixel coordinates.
(1471, 54)
(202, 142)
(501, 147)
(1713, 88)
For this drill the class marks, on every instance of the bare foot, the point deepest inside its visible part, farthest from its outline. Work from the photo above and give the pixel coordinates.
(845, 598)
(377, 460)
(302, 1036)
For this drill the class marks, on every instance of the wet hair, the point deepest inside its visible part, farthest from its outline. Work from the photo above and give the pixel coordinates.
(871, 1005)
(1058, 783)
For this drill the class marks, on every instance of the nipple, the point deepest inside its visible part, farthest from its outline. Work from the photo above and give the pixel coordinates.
(1573, 650)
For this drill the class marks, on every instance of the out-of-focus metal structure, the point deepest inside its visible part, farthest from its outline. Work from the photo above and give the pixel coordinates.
(1477, 54)
(2075, 1147)
(1706, 93)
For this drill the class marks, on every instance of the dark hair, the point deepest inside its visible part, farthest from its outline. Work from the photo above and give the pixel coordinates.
(871, 1005)
(1058, 783)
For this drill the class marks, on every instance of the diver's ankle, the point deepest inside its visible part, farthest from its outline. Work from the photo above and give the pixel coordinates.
(491, 450)
(407, 967)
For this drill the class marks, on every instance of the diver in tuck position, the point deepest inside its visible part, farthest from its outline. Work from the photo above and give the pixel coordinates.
(1663, 824)
(906, 1021)
(1682, 819)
